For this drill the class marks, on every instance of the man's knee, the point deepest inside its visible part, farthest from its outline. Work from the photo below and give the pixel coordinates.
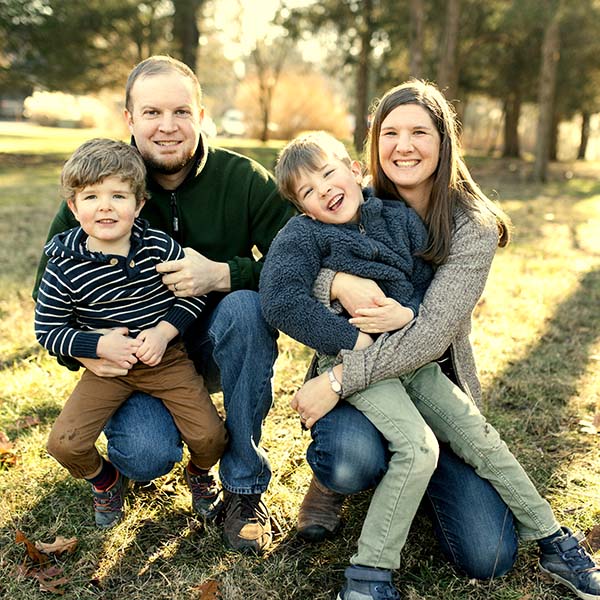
(241, 311)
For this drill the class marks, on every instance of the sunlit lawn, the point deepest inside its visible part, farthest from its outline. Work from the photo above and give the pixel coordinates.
(537, 337)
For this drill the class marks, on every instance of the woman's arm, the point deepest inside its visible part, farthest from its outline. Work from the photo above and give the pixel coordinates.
(447, 306)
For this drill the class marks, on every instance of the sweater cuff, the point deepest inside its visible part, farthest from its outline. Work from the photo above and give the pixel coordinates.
(235, 275)
(180, 318)
(322, 286)
(354, 374)
(85, 344)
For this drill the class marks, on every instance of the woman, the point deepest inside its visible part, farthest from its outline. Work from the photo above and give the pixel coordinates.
(415, 156)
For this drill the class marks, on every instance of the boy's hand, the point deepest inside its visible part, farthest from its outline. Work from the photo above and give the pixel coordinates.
(355, 292)
(388, 315)
(315, 399)
(154, 343)
(117, 347)
(195, 275)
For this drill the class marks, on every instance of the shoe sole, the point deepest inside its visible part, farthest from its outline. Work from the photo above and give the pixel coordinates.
(312, 535)
(568, 584)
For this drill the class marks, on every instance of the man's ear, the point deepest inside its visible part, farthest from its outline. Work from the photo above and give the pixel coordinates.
(71, 204)
(128, 120)
(140, 205)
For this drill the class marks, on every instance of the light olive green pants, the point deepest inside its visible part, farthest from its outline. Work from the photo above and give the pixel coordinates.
(413, 413)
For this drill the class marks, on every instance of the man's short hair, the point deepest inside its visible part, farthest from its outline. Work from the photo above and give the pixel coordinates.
(160, 65)
(306, 152)
(99, 158)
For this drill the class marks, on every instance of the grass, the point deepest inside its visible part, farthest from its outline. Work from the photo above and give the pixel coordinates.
(537, 339)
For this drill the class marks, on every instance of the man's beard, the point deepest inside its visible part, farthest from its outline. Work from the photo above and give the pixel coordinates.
(162, 168)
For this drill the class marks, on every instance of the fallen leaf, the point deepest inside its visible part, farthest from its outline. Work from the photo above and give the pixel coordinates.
(34, 554)
(209, 590)
(597, 420)
(59, 546)
(47, 584)
(593, 538)
(26, 422)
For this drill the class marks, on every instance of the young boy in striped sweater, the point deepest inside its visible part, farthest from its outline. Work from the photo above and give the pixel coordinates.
(101, 297)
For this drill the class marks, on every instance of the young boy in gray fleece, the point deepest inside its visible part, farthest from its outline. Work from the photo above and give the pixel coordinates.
(343, 228)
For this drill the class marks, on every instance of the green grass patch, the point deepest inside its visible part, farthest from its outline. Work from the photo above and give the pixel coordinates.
(537, 339)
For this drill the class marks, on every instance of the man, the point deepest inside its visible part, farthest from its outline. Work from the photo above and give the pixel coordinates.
(219, 205)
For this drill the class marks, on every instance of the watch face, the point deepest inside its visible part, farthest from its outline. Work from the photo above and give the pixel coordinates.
(336, 386)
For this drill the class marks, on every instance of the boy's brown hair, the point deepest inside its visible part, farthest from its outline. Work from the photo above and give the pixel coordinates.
(99, 158)
(306, 152)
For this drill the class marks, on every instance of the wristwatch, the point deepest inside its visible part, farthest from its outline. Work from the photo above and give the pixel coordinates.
(336, 386)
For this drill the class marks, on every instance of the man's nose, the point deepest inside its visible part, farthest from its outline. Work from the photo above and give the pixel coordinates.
(167, 122)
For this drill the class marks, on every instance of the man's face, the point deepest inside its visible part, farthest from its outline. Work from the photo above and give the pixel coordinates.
(165, 120)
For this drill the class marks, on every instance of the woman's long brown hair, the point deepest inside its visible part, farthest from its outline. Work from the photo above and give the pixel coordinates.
(452, 185)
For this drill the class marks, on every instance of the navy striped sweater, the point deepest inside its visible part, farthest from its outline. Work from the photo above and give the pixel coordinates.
(82, 291)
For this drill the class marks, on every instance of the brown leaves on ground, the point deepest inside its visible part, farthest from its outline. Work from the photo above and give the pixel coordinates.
(209, 590)
(49, 577)
(593, 538)
(8, 455)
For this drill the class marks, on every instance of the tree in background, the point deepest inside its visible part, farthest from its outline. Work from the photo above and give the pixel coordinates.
(547, 86)
(185, 30)
(303, 100)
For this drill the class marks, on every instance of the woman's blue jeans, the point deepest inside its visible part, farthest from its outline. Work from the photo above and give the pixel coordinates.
(234, 350)
(474, 527)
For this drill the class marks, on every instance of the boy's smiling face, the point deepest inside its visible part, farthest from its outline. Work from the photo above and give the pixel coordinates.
(106, 211)
(332, 193)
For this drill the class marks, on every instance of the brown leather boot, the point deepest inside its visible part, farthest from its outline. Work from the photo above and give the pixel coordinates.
(319, 514)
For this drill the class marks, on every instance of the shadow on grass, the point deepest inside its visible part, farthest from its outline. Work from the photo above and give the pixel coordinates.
(533, 394)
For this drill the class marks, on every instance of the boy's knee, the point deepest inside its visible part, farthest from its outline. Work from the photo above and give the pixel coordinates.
(60, 446)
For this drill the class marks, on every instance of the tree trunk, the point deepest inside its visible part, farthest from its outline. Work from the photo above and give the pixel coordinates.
(447, 76)
(550, 55)
(585, 135)
(512, 113)
(185, 30)
(417, 20)
(362, 77)
(553, 149)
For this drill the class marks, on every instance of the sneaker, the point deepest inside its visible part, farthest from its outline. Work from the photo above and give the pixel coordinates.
(205, 495)
(319, 514)
(566, 560)
(108, 504)
(368, 583)
(246, 522)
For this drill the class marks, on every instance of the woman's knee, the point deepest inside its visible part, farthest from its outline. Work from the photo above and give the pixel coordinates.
(487, 562)
(347, 455)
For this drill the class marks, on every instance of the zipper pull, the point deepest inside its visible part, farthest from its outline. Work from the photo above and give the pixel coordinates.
(174, 215)
(361, 229)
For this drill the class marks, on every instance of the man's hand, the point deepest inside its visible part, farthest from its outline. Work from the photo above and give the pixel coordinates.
(117, 347)
(387, 315)
(315, 398)
(195, 275)
(355, 292)
(154, 343)
(102, 367)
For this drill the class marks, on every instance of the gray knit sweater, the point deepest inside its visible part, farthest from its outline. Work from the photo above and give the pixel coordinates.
(444, 319)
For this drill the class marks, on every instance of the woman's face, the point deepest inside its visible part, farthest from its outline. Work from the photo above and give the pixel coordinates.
(409, 150)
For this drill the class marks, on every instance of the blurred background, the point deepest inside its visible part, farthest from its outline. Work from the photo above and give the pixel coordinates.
(523, 74)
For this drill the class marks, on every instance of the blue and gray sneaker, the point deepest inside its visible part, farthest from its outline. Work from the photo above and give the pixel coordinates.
(108, 504)
(566, 560)
(368, 583)
(206, 498)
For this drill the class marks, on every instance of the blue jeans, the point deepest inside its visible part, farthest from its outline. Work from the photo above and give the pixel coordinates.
(473, 525)
(234, 350)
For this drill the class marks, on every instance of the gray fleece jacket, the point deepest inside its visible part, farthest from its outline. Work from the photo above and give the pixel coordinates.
(444, 318)
(381, 247)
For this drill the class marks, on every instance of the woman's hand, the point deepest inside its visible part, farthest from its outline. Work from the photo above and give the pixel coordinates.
(314, 400)
(355, 292)
(387, 315)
